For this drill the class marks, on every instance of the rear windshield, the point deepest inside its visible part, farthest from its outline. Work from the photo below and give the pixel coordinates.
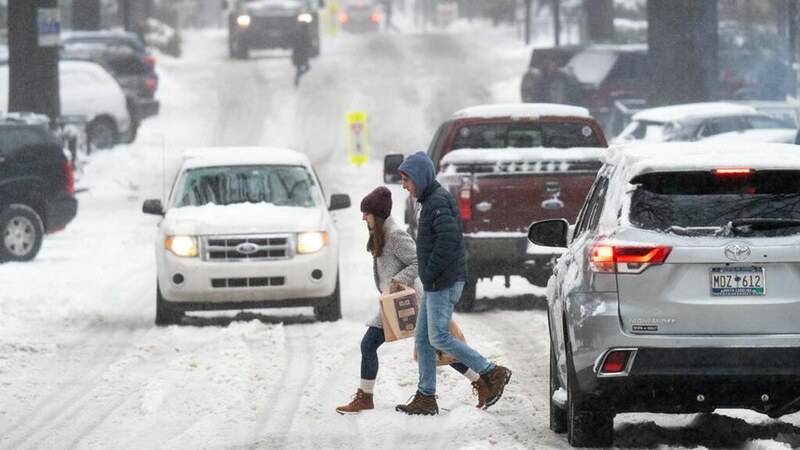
(526, 135)
(279, 185)
(761, 203)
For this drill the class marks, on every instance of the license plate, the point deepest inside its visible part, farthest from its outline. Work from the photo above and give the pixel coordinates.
(738, 281)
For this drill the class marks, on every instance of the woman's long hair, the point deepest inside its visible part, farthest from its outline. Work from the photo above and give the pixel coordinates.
(376, 238)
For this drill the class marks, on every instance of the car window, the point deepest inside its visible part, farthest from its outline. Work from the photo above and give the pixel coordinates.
(703, 200)
(279, 185)
(644, 130)
(525, 135)
(721, 125)
(435, 148)
(14, 140)
(591, 66)
(590, 213)
(768, 122)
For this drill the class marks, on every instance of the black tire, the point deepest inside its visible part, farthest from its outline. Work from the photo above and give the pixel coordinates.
(585, 428)
(164, 314)
(21, 233)
(558, 416)
(102, 133)
(332, 311)
(468, 296)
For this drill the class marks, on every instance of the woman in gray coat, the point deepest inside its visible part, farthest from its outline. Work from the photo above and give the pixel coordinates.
(394, 264)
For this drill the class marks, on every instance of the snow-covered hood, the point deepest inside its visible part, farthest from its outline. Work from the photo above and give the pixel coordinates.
(243, 218)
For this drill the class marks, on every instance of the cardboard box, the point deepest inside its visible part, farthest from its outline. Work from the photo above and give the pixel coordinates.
(444, 359)
(399, 312)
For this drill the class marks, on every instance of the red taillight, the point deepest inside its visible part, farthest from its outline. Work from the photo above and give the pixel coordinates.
(70, 177)
(465, 203)
(615, 362)
(150, 60)
(626, 258)
(375, 17)
(151, 84)
(732, 172)
(344, 17)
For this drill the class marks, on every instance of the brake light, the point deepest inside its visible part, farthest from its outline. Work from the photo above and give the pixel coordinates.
(69, 173)
(465, 203)
(375, 17)
(151, 84)
(626, 258)
(616, 362)
(732, 172)
(344, 17)
(150, 60)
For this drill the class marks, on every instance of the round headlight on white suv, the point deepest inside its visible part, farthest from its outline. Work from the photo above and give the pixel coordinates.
(305, 18)
(311, 242)
(185, 246)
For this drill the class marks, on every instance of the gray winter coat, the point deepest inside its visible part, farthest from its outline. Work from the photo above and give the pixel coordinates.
(398, 263)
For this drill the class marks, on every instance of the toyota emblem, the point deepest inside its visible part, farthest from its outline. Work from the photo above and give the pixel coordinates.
(247, 248)
(737, 251)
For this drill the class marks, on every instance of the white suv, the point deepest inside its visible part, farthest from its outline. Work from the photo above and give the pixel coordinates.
(246, 228)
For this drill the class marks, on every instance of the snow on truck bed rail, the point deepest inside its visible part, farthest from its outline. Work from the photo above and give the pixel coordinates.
(522, 111)
(693, 110)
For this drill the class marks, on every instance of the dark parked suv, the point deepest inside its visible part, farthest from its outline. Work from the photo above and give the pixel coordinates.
(37, 186)
(130, 63)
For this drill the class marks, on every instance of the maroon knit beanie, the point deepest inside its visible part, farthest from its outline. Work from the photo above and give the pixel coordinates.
(378, 202)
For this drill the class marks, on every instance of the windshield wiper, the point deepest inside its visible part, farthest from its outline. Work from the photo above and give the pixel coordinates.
(759, 224)
(693, 231)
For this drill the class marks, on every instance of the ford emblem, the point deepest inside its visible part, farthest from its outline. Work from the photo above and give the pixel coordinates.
(247, 248)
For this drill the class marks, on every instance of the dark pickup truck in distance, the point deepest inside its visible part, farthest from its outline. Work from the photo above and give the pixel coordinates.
(507, 166)
(262, 24)
(37, 186)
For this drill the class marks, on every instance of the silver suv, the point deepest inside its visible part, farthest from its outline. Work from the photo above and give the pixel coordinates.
(678, 289)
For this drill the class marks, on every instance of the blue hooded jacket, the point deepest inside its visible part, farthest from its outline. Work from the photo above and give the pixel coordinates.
(440, 233)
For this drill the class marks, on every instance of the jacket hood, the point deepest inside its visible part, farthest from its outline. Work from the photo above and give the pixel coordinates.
(419, 168)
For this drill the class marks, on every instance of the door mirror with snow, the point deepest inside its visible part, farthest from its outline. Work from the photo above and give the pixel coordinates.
(339, 201)
(549, 233)
(391, 163)
(153, 206)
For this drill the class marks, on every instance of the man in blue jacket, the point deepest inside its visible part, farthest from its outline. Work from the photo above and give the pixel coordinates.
(442, 269)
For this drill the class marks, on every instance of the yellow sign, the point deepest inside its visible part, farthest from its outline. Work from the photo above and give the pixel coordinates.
(358, 137)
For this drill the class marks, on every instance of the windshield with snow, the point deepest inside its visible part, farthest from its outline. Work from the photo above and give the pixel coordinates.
(279, 185)
(766, 202)
(525, 135)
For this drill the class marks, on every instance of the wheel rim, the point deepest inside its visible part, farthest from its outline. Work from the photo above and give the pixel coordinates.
(19, 236)
(102, 136)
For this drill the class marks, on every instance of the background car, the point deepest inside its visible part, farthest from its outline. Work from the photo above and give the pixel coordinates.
(677, 289)
(37, 185)
(360, 16)
(90, 92)
(246, 228)
(695, 121)
(262, 24)
(542, 66)
(129, 62)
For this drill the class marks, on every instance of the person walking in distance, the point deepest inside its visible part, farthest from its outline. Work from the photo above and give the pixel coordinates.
(394, 264)
(442, 270)
(301, 53)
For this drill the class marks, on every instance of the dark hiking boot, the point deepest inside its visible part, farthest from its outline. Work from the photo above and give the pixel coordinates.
(496, 379)
(481, 389)
(361, 401)
(421, 405)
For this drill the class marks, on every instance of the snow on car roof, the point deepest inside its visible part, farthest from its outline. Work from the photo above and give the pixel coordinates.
(241, 156)
(522, 110)
(777, 135)
(478, 156)
(692, 110)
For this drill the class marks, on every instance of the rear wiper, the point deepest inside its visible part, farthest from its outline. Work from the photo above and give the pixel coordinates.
(693, 231)
(759, 223)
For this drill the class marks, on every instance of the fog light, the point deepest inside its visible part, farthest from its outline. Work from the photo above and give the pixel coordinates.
(178, 279)
(615, 362)
(701, 398)
(316, 274)
(764, 398)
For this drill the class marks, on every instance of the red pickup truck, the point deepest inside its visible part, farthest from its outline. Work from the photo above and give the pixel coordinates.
(507, 166)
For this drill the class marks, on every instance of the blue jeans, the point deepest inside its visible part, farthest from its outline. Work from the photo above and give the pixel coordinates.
(433, 333)
(373, 339)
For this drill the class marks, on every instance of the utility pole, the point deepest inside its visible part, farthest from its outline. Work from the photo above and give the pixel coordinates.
(33, 40)
(557, 21)
(86, 14)
(528, 22)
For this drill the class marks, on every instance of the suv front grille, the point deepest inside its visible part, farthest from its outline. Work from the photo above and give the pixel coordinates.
(247, 248)
(247, 282)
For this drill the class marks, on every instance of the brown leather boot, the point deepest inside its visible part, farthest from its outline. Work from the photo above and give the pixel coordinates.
(496, 379)
(421, 405)
(361, 401)
(481, 389)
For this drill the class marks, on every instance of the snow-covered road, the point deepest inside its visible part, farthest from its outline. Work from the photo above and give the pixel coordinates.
(83, 366)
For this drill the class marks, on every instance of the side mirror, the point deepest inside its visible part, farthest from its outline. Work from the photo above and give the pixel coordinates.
(153, 206)
(549, 233)
(391, 163)
(339, 201)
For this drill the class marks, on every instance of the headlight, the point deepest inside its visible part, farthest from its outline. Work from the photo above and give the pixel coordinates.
(181, 245)
(305, 18)
(311, 242)
(243, 20)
